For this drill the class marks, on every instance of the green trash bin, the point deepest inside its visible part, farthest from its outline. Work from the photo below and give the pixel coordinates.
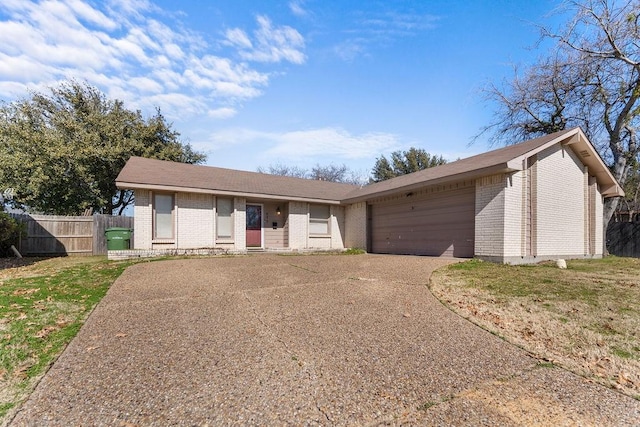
(118, 238)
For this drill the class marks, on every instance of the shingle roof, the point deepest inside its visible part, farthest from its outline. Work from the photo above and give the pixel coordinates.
(501, 160)
(146, 173)
(481, 164)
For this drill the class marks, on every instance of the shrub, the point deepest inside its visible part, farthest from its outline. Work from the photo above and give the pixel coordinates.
(10, 232)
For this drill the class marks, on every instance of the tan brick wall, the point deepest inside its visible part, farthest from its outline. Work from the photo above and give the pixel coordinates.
(560, 209)
(195, 218)
(355, 234)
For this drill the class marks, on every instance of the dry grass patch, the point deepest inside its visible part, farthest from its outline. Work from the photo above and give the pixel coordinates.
(585, 318)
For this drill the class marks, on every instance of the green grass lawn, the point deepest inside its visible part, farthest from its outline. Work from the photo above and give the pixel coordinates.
(585, 318)
(42, 307)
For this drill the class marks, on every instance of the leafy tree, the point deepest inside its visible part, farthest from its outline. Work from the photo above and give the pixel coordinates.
(404, 162)
(61, 151)
(590, 79)
(332, 173)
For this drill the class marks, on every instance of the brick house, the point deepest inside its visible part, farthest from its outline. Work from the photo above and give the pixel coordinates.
(537, 200)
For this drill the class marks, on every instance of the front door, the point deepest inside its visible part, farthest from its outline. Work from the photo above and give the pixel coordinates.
(254, 226)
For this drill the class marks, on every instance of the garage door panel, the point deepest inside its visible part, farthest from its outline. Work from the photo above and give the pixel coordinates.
(440, 224)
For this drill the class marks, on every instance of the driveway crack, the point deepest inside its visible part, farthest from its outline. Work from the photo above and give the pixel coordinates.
(266, 325)
(305, 367)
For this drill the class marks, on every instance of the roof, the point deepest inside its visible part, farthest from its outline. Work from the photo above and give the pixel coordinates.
(171, 176)
(508, 159)
(146, 173)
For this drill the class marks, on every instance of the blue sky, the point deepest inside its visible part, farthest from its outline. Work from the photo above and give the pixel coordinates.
(299, 82)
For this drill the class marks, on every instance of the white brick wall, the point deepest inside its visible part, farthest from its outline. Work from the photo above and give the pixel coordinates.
(195, 219)
(560, 203)
(298, 225)
(355, 234)
(239, 223)
(490, 208)
(337, 227)
(142, 221)
(514, 214)
(599, 230)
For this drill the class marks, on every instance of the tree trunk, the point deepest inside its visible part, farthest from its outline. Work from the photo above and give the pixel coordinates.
(609, 208)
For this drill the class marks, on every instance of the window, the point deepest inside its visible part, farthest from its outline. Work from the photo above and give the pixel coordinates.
(224, 209)
(163, 216)
(318, 219)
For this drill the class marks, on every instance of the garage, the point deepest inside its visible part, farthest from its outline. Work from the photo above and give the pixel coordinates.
(435, 223)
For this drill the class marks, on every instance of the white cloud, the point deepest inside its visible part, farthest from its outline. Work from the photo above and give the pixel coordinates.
(238, 38)
(129, 49)
(272, 44)
(92, 15)
(312, 143)
(222, 113)
(381, 28)
(350, 49)
(297, 8)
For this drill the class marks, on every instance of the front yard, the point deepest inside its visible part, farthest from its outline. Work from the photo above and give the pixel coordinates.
(585, 318)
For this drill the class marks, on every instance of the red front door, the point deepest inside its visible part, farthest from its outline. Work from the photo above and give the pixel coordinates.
(254, 226)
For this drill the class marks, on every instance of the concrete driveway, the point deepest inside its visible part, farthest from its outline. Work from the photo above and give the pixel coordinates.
(300, 340)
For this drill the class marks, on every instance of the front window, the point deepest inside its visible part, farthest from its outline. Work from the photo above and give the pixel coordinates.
(224, 210)
(319, 219)
(163, 216)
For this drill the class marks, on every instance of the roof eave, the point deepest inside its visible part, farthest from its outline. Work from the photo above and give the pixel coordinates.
(171, 188)
(507, 167)
(579, 143)
(589, 156)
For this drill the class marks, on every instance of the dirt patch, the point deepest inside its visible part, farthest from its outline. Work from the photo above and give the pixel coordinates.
(6, 263)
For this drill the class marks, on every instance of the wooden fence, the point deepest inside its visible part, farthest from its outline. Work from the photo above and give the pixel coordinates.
(68, 235)
(623, 239)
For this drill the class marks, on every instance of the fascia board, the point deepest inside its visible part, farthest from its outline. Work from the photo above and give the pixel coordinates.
(477, 173)
(137, 186)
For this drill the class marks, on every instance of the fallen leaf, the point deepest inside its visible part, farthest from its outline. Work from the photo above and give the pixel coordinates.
(25, 291)
(42, 333)
(121, 335)
(623, 379)
(92, 348)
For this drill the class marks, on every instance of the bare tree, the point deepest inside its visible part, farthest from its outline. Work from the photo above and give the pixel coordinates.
(284, 170)
(332, 173)
(591, 79)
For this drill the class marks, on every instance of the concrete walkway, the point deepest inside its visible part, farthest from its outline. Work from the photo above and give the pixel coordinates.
(300, 340)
